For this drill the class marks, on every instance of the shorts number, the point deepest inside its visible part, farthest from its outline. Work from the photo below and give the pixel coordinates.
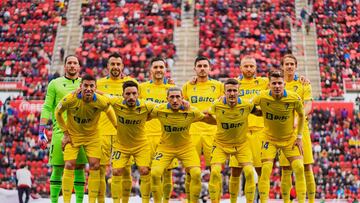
(116, 155)
(158, 156)
(265, 145)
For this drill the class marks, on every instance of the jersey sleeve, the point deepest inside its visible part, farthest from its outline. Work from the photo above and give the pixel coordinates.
(150, 106)
(154, 112)
(60, 108)
(256, 100)
(308, 93)
(198, 114)
(48, 107)
(212, 108)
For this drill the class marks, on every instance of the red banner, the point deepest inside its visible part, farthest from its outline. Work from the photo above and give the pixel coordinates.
(352, 85)
(337, 105)
(30, 106)
(11, 85)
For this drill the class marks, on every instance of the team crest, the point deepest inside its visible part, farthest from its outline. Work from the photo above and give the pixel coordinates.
(186, 115)
(194, 89)
(223, 112)
(106, 86)
(213, 88)
(76, 108)
(242, 111)
(64, 85)
(138, 109)
(95, 109)
(267, 104)
(256, 82)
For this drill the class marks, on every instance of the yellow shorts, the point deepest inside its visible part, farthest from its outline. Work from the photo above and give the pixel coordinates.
(91, 148)
(308, 153)
(154, 140)
(106, 148)
(186, 154)
(121, 157)
(270, 148)
(241, 153)
(203, 145)
(254, 138)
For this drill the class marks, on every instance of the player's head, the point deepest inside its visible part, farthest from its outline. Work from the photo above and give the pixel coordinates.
(289, 64)
(72, 66)
(231, 88)
(88, 87)
(174, 97)
(276, 83)
(158, 68)
(202, 66)
(115, 65)
(130, 93)
(248, 66)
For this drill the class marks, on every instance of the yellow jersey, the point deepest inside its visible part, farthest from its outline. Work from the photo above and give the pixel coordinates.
(157, 94)
(82, 117)
(249, 88)
(279, 114)
(113, 88)
(232, 123)
(202, 95)
(131, 121)
(175, 125)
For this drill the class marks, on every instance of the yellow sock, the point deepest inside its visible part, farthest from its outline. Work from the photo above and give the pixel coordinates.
(300, 185)
(215, 177)
(116, 188)
(286, 185)
(93, 185)
(234, 186)
(102, 186)
(126, 185)
(145, 188)
(67, 184)
(167, 185)
(187, 186)
(310, 185)
(195, 184)
(249, 184)
(264, 182)
(156, 187)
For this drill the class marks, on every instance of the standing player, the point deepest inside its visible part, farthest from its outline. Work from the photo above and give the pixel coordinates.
(56, 90)
(289, 65)
(231, 115)
(112, 85)
(80, 130)
(279, 108)
(201, 95)
(175, 142)
(132, 114)
(155, 90)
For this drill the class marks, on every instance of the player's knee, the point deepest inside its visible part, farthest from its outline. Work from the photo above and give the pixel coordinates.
(70, 165)
(126, 171)
(235, 172)
(94, 165)
(117, 172)
(215, 174)
(298, 166)
(156, 174)
(144, 170)
(266, 170)
(80, 166)
(286, 168)
(307, 167)
(195, 174)
(249, 173)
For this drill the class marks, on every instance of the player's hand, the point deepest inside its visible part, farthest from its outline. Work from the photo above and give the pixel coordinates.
(298, 143)
(66, 140)
(193, 81)
(304, 80)
(171, 81)
(186, 105)
(43, 140)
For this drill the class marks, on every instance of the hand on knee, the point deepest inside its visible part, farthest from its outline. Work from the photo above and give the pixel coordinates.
(249, 173)
(70, 165)
(117, 171)
(144, 170)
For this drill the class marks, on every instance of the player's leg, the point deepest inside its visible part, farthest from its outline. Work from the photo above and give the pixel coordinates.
(167, 184)
(234, 182)
(268, 153)
(308, 161)
(119, 161)
(79, 179)
(106, 143)
(286, 177)
(142, 159)
(57, 162)
(70, 155)
(197, 141)
(218, 157)
(93, 151)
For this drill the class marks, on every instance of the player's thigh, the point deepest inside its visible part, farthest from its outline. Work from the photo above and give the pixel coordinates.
(92, 148)
(142, 156)
(218, 155)
(119, 159)
(196, 141)
(56, 156)
(307, 147)
(71, 151)
(188, 156)
(162, 159)
(268, 149)
(255, 139)
(106, 142)
(173, 164)
(207, 141)
(243, 154)
(288, 150)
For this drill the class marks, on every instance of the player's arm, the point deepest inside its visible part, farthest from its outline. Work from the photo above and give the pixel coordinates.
(301, 120)
(256, 111)
(307, 99)
(110, 113)
(60, 109)
(208, 118)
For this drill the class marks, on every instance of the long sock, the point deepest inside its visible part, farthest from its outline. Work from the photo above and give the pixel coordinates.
(145, 188)
(167, 185)
(156, 186)
(234, 186)
(79, 184)
(102, 186)
(300, 185)
(187, 186)
(126, 185)
(264, 182)
(67, 184)
(286, 185)
(310, 185)
(195, 184)
(93, 185)
(249, 184)
(215, 177)
(116, 188)
(55, 183)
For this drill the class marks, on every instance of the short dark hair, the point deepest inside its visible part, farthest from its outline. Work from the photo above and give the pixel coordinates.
(231, 81)
(276, 74)
(130, 83)
(157, 59)
(115, 55)
(288, 56)
(72, 55)
(201, 58)
(173, 89)
(88, 77)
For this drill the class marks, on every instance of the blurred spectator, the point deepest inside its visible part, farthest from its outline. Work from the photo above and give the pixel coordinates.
(23, 177)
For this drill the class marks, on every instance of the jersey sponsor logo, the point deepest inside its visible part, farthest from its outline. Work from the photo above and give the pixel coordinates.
(231, 125)
(82, 120)
(243, 92)
(271, 116)
(196, 99)
(169, 128)
(128, 121)
(158, 101)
